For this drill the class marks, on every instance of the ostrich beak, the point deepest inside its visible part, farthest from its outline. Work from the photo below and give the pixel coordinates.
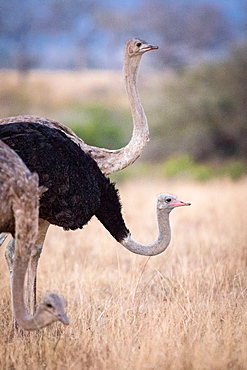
(153, 47)
(179, 203)
(64, 319)
(147, 47)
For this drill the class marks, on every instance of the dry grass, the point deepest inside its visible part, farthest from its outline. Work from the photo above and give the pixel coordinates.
(185, 309)
(49, 93)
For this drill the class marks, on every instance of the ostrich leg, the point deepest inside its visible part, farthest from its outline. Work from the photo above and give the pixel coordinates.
(9, 255)
(31, 276)
(3, 237)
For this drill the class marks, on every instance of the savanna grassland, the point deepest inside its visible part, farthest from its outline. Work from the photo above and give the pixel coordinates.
(184, 309)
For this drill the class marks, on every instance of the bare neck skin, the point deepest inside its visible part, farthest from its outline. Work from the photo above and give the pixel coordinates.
(25, 209)
(26, 213)
(159, 245)
(141, 132)
(124, 157)
(50, 309)
(27, 322)
(165, 204)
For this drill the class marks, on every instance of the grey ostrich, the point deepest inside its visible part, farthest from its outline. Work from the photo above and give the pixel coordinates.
(109, 161)
(19, 202)
(77, 189)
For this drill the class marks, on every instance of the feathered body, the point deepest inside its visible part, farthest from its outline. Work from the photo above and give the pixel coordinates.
(76, 188)
(18, 191)
(19, 205)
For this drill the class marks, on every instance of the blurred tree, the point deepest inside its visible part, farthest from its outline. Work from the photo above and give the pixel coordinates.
(203, 111)
(25, 24)
(16, 23)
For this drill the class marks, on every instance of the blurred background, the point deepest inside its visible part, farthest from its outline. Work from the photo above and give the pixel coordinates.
(63, 59)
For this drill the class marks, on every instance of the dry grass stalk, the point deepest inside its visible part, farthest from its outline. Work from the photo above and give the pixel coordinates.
(185, 309)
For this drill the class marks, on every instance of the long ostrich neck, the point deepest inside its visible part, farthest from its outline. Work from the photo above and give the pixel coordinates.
(110, 161)
(159, 245)
(26, 228)
(110, 215)
(23, 318)
(140, 132)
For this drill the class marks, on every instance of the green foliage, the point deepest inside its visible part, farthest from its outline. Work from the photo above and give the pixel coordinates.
(184, 166)
(138, 170)
(234, 169)
(177, 165)
(99, 126)
(202, 172)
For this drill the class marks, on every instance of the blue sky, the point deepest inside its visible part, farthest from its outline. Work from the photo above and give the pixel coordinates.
(235, 9)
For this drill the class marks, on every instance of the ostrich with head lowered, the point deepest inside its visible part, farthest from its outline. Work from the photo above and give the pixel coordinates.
(19, 212)
(77, 189)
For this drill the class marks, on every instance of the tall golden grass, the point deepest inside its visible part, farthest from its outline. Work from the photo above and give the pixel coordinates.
(184, 309)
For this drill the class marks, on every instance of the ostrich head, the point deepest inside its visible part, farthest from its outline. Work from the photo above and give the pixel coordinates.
(136, 47)
(168, 202)
(52, 308)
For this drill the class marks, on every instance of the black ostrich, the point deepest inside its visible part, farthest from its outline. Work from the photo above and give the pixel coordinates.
(77, 189)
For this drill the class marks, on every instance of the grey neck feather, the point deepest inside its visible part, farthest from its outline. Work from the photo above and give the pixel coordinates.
(159, 245)
(141, 131)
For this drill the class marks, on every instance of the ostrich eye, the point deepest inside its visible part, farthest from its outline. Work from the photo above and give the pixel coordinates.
(48, 305)
(139, 44)
(168, 200)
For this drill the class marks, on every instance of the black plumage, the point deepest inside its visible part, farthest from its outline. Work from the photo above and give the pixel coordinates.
(76, 188)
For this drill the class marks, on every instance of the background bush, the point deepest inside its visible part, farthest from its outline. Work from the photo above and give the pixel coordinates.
(203, 112)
